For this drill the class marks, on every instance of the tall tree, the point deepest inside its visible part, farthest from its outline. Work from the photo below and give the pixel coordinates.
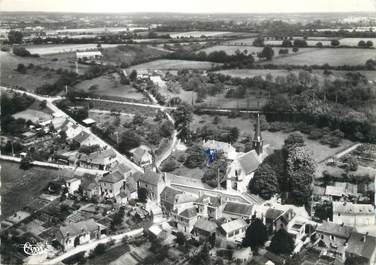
(294, 140)
(282, 243)
(133, 75)
(15, 37)
(265, 182)
(300, 170)
(183, 117)
(267, 53)
(335, 43)
(196, 157)
(255, 236)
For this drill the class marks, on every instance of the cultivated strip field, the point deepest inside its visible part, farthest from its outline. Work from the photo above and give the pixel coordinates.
(329, 56)
(173, 64)
(63, 48)
(231, 50)
(197, 34)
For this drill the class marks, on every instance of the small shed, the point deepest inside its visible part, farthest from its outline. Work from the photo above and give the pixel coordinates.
(88, 122)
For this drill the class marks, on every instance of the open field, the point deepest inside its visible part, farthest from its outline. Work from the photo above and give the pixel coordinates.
(109, 85)
(309, 42)
(355, 41)
(106, 119)
(20, 187)
(327, 42)
(320, 152)
(245, 125)
(130, 54)
(230, 50)
(197, 34)
(220, 100)
(33, 77)
(330, 56)
(64, 48)
(119, 107)
(173, 65)
(370, 75)
(249, 73)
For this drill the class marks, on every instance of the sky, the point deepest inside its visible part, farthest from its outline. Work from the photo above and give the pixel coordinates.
(190, 6)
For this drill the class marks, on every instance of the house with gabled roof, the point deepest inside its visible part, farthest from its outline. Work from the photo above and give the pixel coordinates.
(116, 181)
(152, 182)
(174, 201)
(142, 156)
(341, 190)
(90, 185)
(275, 219)
(111, 184)
(333, 238)
(234, 230)
(81, 138)
(102, 160)
(237, 210)
(186, 220)
(74, 234)
(362, 245)
(204, 228)
(209, 207)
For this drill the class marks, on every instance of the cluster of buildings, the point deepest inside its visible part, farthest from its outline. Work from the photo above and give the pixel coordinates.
(221, 215)
(89, 56)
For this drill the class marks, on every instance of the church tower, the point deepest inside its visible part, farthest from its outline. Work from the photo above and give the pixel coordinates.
(257, 141)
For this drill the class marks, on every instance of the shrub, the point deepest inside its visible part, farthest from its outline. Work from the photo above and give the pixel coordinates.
(21, 68)
(181, 158)
(332, 141)
(304, 127)
(170, 165)
(315, 134)
(93, 87)
(21, 51)
(5, 49)
(353, 163)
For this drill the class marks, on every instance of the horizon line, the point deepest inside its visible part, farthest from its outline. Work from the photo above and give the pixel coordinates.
(189, 13)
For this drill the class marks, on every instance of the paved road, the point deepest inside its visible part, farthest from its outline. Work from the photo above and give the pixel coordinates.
(121, 158)
(110, 112)
(174, 135)
(341, 153)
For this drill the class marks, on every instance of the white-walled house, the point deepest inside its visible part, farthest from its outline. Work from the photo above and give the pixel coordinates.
(73, 184)
(234, 230)
(353, 214)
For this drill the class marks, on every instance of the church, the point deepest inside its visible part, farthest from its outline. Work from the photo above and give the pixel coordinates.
(244, 165)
